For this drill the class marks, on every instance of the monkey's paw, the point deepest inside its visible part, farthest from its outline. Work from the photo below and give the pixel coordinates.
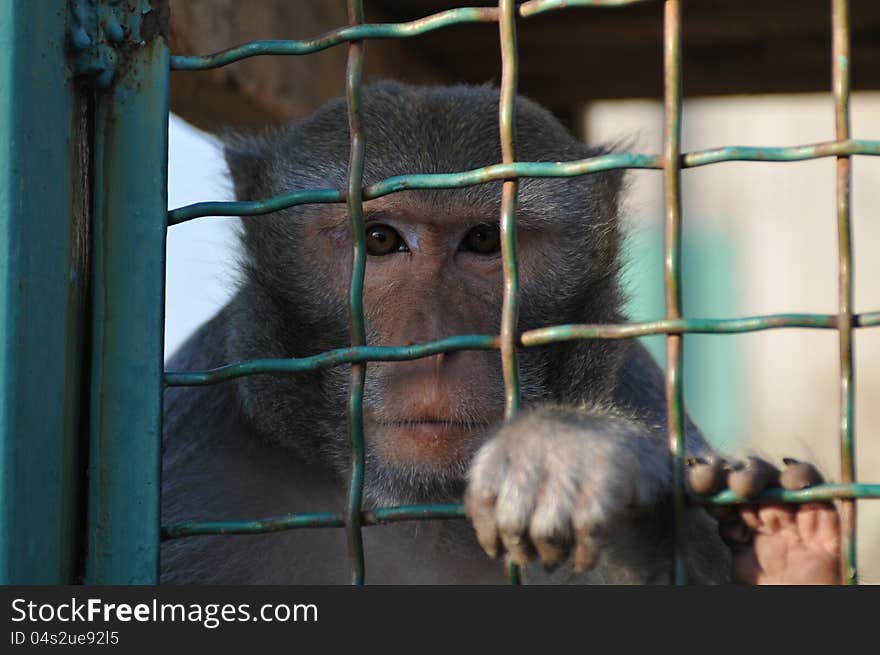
(772, 543)
(554, 481)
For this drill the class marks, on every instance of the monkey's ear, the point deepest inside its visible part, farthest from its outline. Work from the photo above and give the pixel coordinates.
(246, 158)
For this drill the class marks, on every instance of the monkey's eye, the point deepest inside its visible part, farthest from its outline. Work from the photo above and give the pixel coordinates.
(484, 239)
(383, 240)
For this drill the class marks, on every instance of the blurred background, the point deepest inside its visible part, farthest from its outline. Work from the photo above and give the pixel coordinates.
(759, 238)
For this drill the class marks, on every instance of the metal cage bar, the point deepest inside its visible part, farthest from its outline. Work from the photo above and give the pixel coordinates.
(360, 32)
(129, 205)
(356, 297)
(536, 337)
(510, 306)
(44, 285)
(613, 161)
(672, 273)
(383, 515)
(841, 92)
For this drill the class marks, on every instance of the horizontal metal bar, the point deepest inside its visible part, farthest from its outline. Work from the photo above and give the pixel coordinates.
(528, 338)
(691, 325)
(534, 7)
(448, 18)
(314, 520)
(337, 37)
(383, 515)
(330, 358)
(612, 161)
(254, 207)
(255, 526)
(412, 513)
(818, 493)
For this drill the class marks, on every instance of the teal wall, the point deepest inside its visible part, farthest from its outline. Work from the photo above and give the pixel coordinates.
(712, 372)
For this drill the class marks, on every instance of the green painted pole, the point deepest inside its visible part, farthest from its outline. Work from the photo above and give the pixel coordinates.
(43, 294)
(130, 204)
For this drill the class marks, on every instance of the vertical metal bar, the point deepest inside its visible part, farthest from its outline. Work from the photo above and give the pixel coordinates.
(841, 84)
(43, 295)
(510, 307)
(672, 181)
(356, 297)
(130, 205)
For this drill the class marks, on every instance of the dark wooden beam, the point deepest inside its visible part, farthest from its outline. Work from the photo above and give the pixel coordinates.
(567, 58)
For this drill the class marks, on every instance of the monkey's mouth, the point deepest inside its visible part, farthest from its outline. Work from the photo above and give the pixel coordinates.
(431, 427)
(432, 424)
(430, 441)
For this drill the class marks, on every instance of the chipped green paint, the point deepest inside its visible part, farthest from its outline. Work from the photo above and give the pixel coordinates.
(129, 212)
(101, 31)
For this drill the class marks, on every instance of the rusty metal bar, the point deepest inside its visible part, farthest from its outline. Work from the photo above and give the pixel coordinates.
(510, 307)
(350, 34)
(356, 297)
(528, 338)
(841, 91)
(128, 283)
(360, 32)
(612, 161)
(384, 515)
(534, 7)
(672, 261)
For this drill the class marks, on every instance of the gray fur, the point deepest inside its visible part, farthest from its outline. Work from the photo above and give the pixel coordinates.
(268, 445)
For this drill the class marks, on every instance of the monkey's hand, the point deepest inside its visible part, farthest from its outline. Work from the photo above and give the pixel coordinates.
(556, 482)
(772, 543)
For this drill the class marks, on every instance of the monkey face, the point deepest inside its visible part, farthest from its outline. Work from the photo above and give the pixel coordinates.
(434, 270)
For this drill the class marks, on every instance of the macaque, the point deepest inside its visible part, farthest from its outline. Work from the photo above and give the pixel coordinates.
(577, 487)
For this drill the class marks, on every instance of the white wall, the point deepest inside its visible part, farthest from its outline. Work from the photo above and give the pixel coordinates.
(199, 278)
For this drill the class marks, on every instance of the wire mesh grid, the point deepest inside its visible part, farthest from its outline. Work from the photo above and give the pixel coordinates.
(671, 162)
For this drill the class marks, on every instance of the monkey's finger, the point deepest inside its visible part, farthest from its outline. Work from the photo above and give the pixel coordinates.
(819, 524)
(550, 527)
(586, 550)
(552, 551)
(799, 475)
(481, 512)
(586, 522)
(775, 517)
(750, 478)
(516, 502)
(748, 514)
(485, 476)
(706, 476)
(516, 542)
(816, 522)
